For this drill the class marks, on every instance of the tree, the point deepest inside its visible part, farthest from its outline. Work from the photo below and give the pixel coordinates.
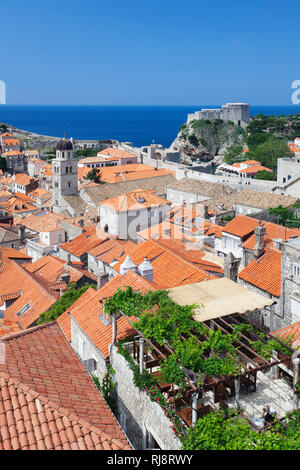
(95, 175)
(269, 152)
(81, 153)
(215, 431)
(67, 299)
(265, 175)
(233, 154)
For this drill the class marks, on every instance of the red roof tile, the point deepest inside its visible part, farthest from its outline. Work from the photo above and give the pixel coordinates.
(89, 307)
(48, 400)
(265, 273)
(241, 226)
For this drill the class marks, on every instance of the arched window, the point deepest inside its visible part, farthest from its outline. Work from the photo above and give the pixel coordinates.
(67, 169)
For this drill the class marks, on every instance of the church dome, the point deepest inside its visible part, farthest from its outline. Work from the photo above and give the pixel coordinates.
(64, 144)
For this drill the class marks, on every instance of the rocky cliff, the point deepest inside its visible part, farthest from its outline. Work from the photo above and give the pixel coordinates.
(206, 140)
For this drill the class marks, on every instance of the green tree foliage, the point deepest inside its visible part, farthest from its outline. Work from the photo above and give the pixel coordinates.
(286, 217)
(3, 128)
(215, 431)
(265, 175)
(67, 299)
(82, 153)
(268, 152)
(233, 154)
(95, 175)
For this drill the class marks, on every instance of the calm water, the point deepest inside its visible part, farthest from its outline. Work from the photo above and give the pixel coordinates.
(138, 124)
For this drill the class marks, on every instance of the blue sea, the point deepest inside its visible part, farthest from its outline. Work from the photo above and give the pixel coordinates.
(140, 125)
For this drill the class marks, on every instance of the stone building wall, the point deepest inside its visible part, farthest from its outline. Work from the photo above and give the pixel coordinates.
(138, 414)
(86, 349)
(262, 317)
(290, 284)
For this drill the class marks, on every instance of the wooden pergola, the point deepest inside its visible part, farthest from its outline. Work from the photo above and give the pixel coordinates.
(248, 360)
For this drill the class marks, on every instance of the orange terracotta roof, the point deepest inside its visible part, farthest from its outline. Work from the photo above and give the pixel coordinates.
(35, 297)
(134, 200)
(85, 242)
(7, 253)
(22, 179)
(265, 273)
(241, 226)
(273, 231)
(112, 249)
(170, 270)
(212, 229)
(51, 269)
(12, 153)
(6, 134)
(45, 387)
(43, 221)
(292, 331)
(246, 162)
(192, 254)
(89, 307)
(255, 169)
(120, 173)
(112, 152)
(8, 327)
(166, 230)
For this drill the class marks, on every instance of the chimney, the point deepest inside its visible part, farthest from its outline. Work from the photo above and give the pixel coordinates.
(259, 247)
(127, 265)
(102, 279)
(231, 266)
(21, 233)
(145, 269)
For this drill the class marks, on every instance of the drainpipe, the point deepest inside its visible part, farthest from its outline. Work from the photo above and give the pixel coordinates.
(237, 384)
(141, 355)
(194, 408)
(114, 328)
(296, 361)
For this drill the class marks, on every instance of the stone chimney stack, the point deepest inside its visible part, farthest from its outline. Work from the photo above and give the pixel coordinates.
(145, 269)
(231, 266)
(127, 265)
(259, 247)
(102, 279)
(21, 233)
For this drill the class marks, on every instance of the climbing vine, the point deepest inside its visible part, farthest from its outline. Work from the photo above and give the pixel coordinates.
(161, 320)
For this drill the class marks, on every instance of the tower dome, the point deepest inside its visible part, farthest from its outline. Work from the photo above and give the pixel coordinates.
(64, 144)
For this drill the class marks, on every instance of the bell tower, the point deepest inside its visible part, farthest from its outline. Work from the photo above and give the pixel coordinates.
(64, 174)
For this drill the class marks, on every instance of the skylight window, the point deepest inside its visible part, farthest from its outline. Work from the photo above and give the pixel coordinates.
(26, 307)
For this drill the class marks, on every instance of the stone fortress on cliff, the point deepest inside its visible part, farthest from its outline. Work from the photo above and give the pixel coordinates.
(239, 113)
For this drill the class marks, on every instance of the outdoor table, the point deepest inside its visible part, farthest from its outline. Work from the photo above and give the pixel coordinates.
(186, 413)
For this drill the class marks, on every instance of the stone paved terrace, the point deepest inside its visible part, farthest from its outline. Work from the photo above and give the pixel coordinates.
(274, 392)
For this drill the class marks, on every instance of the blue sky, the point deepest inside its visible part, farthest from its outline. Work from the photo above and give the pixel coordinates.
(149, 52)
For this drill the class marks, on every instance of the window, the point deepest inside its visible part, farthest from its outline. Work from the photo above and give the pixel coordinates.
(295, 309)
(26, 307)
(296, 270)
(151, 443)
(67, 169)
